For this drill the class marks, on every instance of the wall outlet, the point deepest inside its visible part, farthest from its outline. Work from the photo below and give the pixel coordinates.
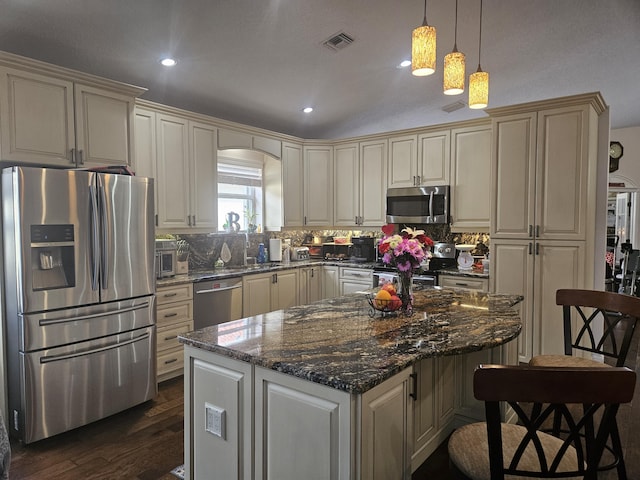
(215, 420)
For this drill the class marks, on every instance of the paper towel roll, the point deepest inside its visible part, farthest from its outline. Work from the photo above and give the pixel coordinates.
(275, 249)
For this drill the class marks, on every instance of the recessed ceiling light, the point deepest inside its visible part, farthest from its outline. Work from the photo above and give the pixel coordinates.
(168, 62)
(404, 64)
(307, 109)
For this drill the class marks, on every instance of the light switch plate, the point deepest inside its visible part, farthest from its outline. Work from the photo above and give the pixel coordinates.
(215, 420)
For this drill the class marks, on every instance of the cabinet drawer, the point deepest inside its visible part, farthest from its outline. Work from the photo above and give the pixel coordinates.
(174, 313)
(168, 336)
(175, 293)
(170, 361)
(481, 284)
(358, 274)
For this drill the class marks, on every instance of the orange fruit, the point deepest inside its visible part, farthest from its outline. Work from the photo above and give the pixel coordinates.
(389, 287)
(382, 299)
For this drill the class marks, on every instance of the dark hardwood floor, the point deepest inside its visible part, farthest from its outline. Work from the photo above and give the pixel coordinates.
(146, 443)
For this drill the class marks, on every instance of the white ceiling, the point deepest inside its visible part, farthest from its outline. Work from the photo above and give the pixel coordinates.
(258, 62)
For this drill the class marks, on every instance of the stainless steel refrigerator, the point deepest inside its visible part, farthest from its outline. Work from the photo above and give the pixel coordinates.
(79, 297)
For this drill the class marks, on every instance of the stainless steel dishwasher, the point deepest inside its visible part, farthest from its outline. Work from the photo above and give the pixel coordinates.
(216, 301)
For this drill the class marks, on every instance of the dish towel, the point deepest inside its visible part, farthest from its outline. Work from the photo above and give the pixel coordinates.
(178, 472)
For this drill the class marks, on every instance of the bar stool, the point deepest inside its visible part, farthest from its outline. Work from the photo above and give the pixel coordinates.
(493, 449)
(618, 314)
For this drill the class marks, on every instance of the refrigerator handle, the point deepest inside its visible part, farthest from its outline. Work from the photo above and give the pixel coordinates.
(94, 238)
(104, 255)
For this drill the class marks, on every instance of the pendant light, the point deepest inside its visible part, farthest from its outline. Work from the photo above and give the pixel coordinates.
(479, 81)
(423, 48)
(454, 67)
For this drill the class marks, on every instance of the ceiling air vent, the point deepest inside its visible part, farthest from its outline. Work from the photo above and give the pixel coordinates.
(452, 107)
(338, 41)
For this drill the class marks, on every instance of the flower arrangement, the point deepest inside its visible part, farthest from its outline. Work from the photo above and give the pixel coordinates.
(405, 251)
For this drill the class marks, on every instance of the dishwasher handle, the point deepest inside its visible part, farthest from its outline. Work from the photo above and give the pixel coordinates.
(211, 290)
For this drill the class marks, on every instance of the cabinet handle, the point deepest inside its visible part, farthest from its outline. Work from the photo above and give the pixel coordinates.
(419, 180)
(530, 230)
(530, 248)
(414, 388)
(189, 220)
(173, 360)
(304, 221)
(274, 278)
(462, 284)
(537, 249)
(73, 156)
(169, 315)
(167, 295)
(194, 220)
(156, 219)
(171, 337)
(537, 231)
(81, 160)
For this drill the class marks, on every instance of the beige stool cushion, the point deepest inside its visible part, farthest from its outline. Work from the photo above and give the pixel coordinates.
(565, 361)
(469, 451)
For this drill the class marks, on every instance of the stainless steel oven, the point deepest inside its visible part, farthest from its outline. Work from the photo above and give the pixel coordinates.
(380, 277)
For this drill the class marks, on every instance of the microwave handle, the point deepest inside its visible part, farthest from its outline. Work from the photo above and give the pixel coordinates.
(431, 203)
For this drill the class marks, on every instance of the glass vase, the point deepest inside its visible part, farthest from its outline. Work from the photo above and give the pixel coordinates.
(406, 291)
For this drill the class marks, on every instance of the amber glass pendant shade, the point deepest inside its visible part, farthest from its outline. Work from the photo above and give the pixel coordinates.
(423, 50)
(479, 89)
(454, 73)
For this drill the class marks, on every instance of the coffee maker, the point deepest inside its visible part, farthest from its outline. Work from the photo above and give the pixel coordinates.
(363, 249)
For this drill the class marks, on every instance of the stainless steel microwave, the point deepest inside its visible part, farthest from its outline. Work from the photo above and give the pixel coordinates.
(418, 205)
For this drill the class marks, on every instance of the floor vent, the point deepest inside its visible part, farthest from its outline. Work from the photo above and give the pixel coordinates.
(452, 107)
(338, 41)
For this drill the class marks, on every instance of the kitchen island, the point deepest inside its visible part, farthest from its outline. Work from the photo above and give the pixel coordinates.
(327, 391)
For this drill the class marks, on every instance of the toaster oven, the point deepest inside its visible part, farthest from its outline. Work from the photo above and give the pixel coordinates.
(165, 258)
(300, 253)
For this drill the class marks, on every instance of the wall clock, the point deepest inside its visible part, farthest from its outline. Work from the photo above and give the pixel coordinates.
(615, 153)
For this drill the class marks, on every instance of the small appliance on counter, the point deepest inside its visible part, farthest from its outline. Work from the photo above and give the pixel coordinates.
(166, 258)
(299, 254)
(336, 251)
(363, 249)
(275, 249)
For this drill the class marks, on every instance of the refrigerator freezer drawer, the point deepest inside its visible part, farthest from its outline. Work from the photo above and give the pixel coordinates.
(68, 387)
(63, 327)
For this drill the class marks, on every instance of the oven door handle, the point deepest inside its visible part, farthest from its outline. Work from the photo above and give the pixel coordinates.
(54, 321)
(58, 358)
(211, 290)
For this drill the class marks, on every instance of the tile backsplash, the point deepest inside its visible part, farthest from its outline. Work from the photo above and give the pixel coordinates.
(204, 249)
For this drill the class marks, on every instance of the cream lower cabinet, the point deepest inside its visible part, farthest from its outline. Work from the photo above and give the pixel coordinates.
(465, 283)
(52, 118)
(174, 316)
(266, 292)
(355, 280)
(330, 281)
(537, 270)
(288, 428)
(434, 406)
(310, 288)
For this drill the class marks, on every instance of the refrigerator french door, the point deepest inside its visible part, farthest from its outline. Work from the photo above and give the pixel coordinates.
(79, 297)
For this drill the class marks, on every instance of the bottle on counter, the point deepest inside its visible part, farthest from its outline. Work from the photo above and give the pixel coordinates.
(262, 253)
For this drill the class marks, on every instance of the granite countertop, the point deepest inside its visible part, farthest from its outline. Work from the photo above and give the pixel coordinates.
(336, 343)
(456, 272)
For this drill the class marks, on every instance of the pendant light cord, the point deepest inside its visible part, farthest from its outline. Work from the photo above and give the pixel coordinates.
(480, 40)
(424, 22)
(455, 38)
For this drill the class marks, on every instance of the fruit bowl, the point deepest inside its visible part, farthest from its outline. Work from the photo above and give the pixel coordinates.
(384, 306)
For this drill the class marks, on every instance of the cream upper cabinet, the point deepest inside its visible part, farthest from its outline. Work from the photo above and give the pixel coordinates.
(318, 185)
(145, 153)
(292, 185)
(540, 174)
(434, 158)
(186, 165)
(236, 139)
(373, 181)
(360, 183)
(203, 167)
(403, 161)
(346, 184)
(470, 194)
(173, 171)
(48, 120)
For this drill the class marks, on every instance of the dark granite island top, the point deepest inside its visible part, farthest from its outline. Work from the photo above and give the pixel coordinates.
(336, 343)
